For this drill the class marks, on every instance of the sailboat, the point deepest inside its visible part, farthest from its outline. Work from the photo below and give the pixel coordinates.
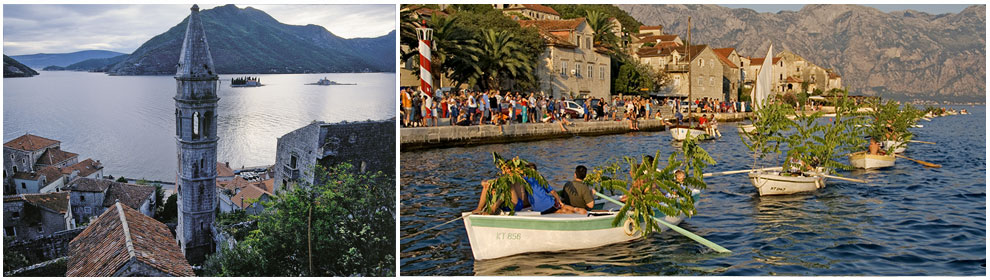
(681, 132)
(762, 88)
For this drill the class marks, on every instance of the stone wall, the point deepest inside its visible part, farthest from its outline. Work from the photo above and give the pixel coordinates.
(45, 248)
(368, 142)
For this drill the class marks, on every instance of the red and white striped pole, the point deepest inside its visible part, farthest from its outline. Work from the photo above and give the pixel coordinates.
(425, 61)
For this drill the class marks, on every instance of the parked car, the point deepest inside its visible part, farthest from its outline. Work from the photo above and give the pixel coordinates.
(573, 109)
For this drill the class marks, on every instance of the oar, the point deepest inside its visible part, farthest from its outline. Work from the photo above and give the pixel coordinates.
(925, 163)
(436, 226)
(737, 171)
(922, 142)
(693, 236)
(843, 178)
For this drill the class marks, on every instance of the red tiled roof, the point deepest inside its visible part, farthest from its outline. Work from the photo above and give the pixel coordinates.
(224, 170)
(57, 202)
(250, 192)
(792, 79)
(128, 194)
(832, 75)
(268, 185)
(538, 8)
(120, 235)
(555, 32)
(723, 56)
(89, 185)
(85, 168)
(55, 156)
(759, 60)
(50, 172)
(661, 38)
(29, 142)
(650, 27)
(428, 11)
(237, 183)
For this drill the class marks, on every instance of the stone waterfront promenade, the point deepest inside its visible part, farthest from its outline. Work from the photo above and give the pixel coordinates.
(450, 136)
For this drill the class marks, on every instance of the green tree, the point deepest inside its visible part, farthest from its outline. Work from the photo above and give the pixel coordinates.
(602, 26)
(122, 179)
(343, 227)
(452, 45)
(170, 210)
(501, 57)
(159, 201)
(12, 259)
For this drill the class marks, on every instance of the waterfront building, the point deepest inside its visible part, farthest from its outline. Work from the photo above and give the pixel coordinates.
(571, 65)
(90, 197)
(224, 172)
(25, 156)
(834, 80)
(251, 197)
(196, 138)
(528, 11)
(123, 242)
(754, 65)
(367, 145)
(703, 68)
(731, 72)
(84, 169)
(31, 216)
(45, 180)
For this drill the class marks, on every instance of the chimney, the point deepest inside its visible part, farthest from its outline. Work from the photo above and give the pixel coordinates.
(227, 163)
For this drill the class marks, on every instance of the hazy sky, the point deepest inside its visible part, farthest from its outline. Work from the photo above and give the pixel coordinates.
(931, 9)
(29, 29)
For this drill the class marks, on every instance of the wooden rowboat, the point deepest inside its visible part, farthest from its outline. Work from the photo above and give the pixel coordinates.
(680, 133)
(773, 182)
(863, 160)
(493, 236)
(900, 148)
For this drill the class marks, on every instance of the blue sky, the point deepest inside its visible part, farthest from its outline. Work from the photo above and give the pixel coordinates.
(29, 29)
(931, 9)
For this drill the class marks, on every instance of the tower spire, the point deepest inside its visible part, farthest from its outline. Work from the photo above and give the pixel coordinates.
(195, 61)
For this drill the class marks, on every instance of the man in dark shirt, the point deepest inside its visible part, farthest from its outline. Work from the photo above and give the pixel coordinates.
(579, 194)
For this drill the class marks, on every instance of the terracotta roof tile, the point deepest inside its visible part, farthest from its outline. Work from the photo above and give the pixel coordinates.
(250, 192)
(29, 142)
(650, 27)
(128, 194)
(89, 185)
(122, 234)
(57, 202)
(832, 75)
(538, 8)
(660, 38)
(759, 60)
(224, 170)
(50, 172)
(792, 79)
(269, 185)
(237, 183)
(723, 56)
(553, 25)
(55, 156)
(85, 168)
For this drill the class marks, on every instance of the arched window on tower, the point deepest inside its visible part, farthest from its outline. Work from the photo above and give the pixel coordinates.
(207, 122)
(195, 126)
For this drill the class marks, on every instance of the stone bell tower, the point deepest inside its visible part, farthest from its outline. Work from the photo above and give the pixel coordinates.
(196, 142)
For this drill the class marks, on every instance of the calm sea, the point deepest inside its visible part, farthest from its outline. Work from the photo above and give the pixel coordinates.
(127, 122)
(909, 220)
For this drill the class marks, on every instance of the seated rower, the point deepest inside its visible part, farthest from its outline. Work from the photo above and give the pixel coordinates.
(543, 199)
(578, 194)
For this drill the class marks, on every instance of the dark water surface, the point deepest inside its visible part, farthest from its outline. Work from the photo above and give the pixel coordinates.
(128, 122)
(909, 220)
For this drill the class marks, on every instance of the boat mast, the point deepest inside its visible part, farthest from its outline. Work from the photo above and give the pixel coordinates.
(690, 99)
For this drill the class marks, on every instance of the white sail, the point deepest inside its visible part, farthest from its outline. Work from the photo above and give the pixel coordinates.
(762, 90)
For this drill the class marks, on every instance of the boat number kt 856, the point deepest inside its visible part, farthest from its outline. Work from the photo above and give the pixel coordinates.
(508, 236)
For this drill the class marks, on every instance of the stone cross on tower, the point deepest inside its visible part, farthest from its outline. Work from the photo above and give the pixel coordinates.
(196, 142)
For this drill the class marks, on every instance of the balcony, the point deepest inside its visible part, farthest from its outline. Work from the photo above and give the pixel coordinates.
(290, 173)
(670, 68)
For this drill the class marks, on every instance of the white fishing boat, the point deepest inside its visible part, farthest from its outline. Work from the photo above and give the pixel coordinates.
(863, 160)
(775, 182)
(746, 128)
(496, 236)
(681, 132)
(900, 148)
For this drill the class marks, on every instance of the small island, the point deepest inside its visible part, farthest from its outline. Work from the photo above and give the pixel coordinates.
(245, 82)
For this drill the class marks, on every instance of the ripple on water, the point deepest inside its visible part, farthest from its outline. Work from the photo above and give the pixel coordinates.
(908, 220)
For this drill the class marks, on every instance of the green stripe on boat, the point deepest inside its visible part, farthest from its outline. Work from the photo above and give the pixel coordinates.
(563, 224)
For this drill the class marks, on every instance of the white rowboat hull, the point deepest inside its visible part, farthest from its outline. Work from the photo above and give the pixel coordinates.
(680, 133)
(772, 183)
(897, 150)
(865, 161)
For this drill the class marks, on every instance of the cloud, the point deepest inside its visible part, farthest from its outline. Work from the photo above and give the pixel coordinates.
(29, 29)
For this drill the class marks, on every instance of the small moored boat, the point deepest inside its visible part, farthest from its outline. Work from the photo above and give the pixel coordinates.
(900, 148)
(747, 128)
(496, 236)
(775, 182)
(863, 160)
(680, 133)
(327, 82)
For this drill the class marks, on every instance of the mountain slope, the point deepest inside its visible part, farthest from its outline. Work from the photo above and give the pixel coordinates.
(12, 68)
(62, 59)
(250, 41)
(902, 55)
(91, 65)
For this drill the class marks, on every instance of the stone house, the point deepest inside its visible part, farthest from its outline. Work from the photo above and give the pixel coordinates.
(644, 42)
(731, 72)
(571, 66)
(804, 71)
(250, 198)
(90, 197)
(834, 81)
(754, 65)
(651, 30)
(84, 169)
(704, 69)
(224, 172)
(367, 145)
(20, 154)
(122, 242)
(231, 194)
(30, 216)
(530, 11)
(45, 180)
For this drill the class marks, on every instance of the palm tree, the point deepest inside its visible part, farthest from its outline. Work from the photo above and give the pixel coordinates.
(500, 57)
(451, 43)
(602, 26)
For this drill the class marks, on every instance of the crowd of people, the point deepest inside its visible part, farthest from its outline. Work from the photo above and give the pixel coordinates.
(496, 107)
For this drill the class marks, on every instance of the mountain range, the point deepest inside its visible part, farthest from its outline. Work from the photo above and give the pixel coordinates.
(13, 68)
(42, 60)
(903, 55)
(249, 40)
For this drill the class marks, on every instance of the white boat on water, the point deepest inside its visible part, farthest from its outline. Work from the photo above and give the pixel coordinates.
(680, 133)
(746, 128)
(863, 160)
(900, 148)
(327, 82)
(775, 182)
(494, 236)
